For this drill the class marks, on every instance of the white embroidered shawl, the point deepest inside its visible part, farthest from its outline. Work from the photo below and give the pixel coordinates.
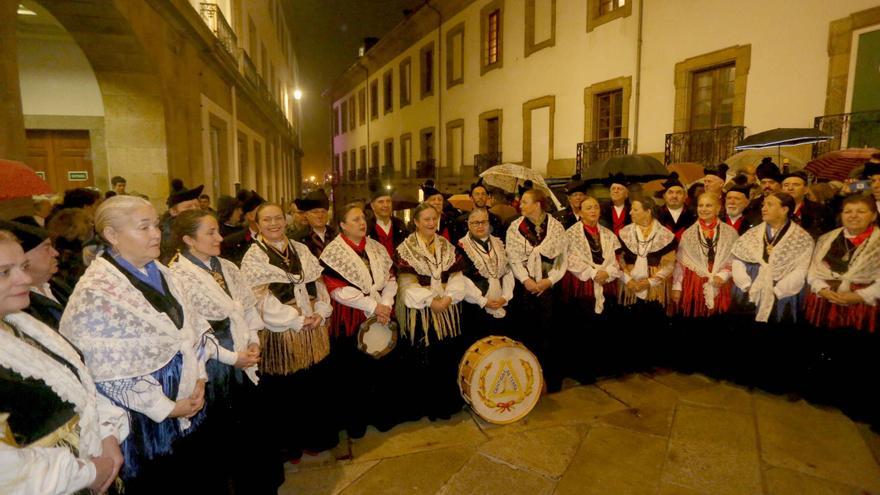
(794, 249)
(123, 336)
(864, 266)
(413, 251)
(580, 257)
(631, 236)
(492, 267)
(339, 256)
(212, 302)
(29, 362)
(258, 271)
(519, 250)
(692, 257)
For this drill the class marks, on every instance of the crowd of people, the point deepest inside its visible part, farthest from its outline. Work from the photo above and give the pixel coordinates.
(199, 350)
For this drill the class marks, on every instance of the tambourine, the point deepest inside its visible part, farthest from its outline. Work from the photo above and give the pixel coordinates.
(377, 339)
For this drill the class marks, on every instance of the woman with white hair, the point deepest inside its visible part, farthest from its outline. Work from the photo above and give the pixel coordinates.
(144, 347)
(57, 434)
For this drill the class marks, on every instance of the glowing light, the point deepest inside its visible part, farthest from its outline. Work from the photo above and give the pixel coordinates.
(297, 94)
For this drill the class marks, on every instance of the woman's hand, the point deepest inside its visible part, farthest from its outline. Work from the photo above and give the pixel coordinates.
(676, 296)
(544, 284)
(199, 391)
(187, 408)
(440, 304)
(717, 281)
(531, 286)
(104, 473)
(110, 450)
(246, 359)
(601, 277)
(829, 295)
(496, 303)
(849, 298)
(254, 349)
(383, 313)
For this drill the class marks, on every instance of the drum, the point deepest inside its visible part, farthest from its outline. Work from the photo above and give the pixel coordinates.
(500, 379)
(377, 339)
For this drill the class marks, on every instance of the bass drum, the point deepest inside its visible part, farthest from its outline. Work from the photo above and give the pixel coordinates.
(500, 379)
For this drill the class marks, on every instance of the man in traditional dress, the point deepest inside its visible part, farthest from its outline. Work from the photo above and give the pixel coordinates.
(674, 215)
(770, 181)
(736, 200)
(615, 213)
(315, 206)
(814, 217)
(575, 190)
(715, 178)
(383, 226)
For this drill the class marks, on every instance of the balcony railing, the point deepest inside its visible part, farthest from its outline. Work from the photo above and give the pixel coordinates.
(704, 146)
(425, 169)
(850, 130)
(213, 16)
(352, 175)
(362, 174)
(387, 172)
(486, 160)
(250, 70)
(594, 151)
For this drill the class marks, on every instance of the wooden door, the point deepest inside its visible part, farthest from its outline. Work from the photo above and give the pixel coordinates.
(63, 158)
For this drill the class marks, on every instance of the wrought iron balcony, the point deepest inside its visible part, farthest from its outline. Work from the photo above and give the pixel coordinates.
(850, 130)
(703, 146)
(352, 175)
(591, 152)
(425, 169)
(387, 172)
(213, 16)
(362, 174)
(249, 70)
(486, 160)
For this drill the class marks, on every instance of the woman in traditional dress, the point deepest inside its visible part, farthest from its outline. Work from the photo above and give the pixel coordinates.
(295, 307)
(431, 288)
(536, 250)
(145, 349)
(360, 278)
(701, 287)
(844, 278)
(648, 259)
(221, 295)
(769, 269)
(488, 280)
(57, 434)
(589, 287)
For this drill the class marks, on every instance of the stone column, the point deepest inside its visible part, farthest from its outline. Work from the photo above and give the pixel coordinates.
(12, 138)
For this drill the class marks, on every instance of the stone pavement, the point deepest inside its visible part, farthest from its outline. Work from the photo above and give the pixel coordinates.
(666, 434)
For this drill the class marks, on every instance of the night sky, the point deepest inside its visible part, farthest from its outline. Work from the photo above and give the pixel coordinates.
(327, 35)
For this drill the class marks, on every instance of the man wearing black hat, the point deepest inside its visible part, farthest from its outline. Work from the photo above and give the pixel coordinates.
(770, 180)
(178, 202)
(715, 178)
(576, 191)
(315, 206)
(736, 200)
(674, 215)
(236, 244)
(814, 217)
(49, 293)
(382, 225)
(480, 198)
(615, 213)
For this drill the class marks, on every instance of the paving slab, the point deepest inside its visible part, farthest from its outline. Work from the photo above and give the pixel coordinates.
(417, 436)
(416, 474)
(483, 476)
(326, 480)
(682, 382)
(781, 481)
(721, 395)
(546, 451)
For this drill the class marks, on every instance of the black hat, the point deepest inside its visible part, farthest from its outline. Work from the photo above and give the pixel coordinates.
(251, 202)
(720, 171)
(768, 170)
(618, 178)
(29, 235)
(800, 175)
(478, 183)
(670, 182)
(178, 197)
(429, 190)
(740, 184)
(528, 184)
(871, 168)
(315, 199)
(576, 184)
(377, 190)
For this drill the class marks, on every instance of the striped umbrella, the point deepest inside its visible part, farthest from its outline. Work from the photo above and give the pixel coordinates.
(837, 165)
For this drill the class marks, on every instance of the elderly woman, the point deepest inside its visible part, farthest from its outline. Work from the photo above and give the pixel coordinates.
(589, 284)
(844, 278)
(431, 288)
(536, 248)
(144, 346)
(57, 434)
(488, 280)
(220, 295)
(359, 275)
(769, 269)
(295, 307)
(647, 251)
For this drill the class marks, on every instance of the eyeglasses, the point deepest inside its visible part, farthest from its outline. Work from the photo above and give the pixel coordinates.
(478, 223)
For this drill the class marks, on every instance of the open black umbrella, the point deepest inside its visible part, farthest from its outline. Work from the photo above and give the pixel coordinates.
(638, 168)
(783, 137)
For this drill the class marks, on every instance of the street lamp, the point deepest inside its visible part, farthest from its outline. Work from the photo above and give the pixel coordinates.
(297, 94)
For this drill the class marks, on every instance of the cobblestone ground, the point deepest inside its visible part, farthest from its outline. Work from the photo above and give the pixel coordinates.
(666, 434)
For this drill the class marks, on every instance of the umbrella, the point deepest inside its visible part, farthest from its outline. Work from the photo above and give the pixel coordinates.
(509, 176)
(17, 180)
(461, 201)
(748, 157)
(783, 137)
(838, 165)
(639, 168)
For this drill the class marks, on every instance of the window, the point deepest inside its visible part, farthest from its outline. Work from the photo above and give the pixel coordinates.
(608, 110)
(389, 157)
(264, 61)
(388, 91)
(374, 157)
(351, 113)
(362, 106)
(712, 96)
(455, 55)
(455, 145)
(333, 119)
(491, 36)
(427, 70)
(490, 139)
(540, 25)
(352, 172)
(343, 168)
(252, 39)
(374, 99)
(601, 11)
(405, 75)
(405, 162)
(362, 168)
(343, 116)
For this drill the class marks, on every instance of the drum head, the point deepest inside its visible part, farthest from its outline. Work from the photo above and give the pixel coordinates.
(377, 339)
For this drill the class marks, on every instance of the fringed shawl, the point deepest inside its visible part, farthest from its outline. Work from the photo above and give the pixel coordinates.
(579, 256)
(520, 250)
(340, 257)
(259, 272)
(864, 265)
(691, 256)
